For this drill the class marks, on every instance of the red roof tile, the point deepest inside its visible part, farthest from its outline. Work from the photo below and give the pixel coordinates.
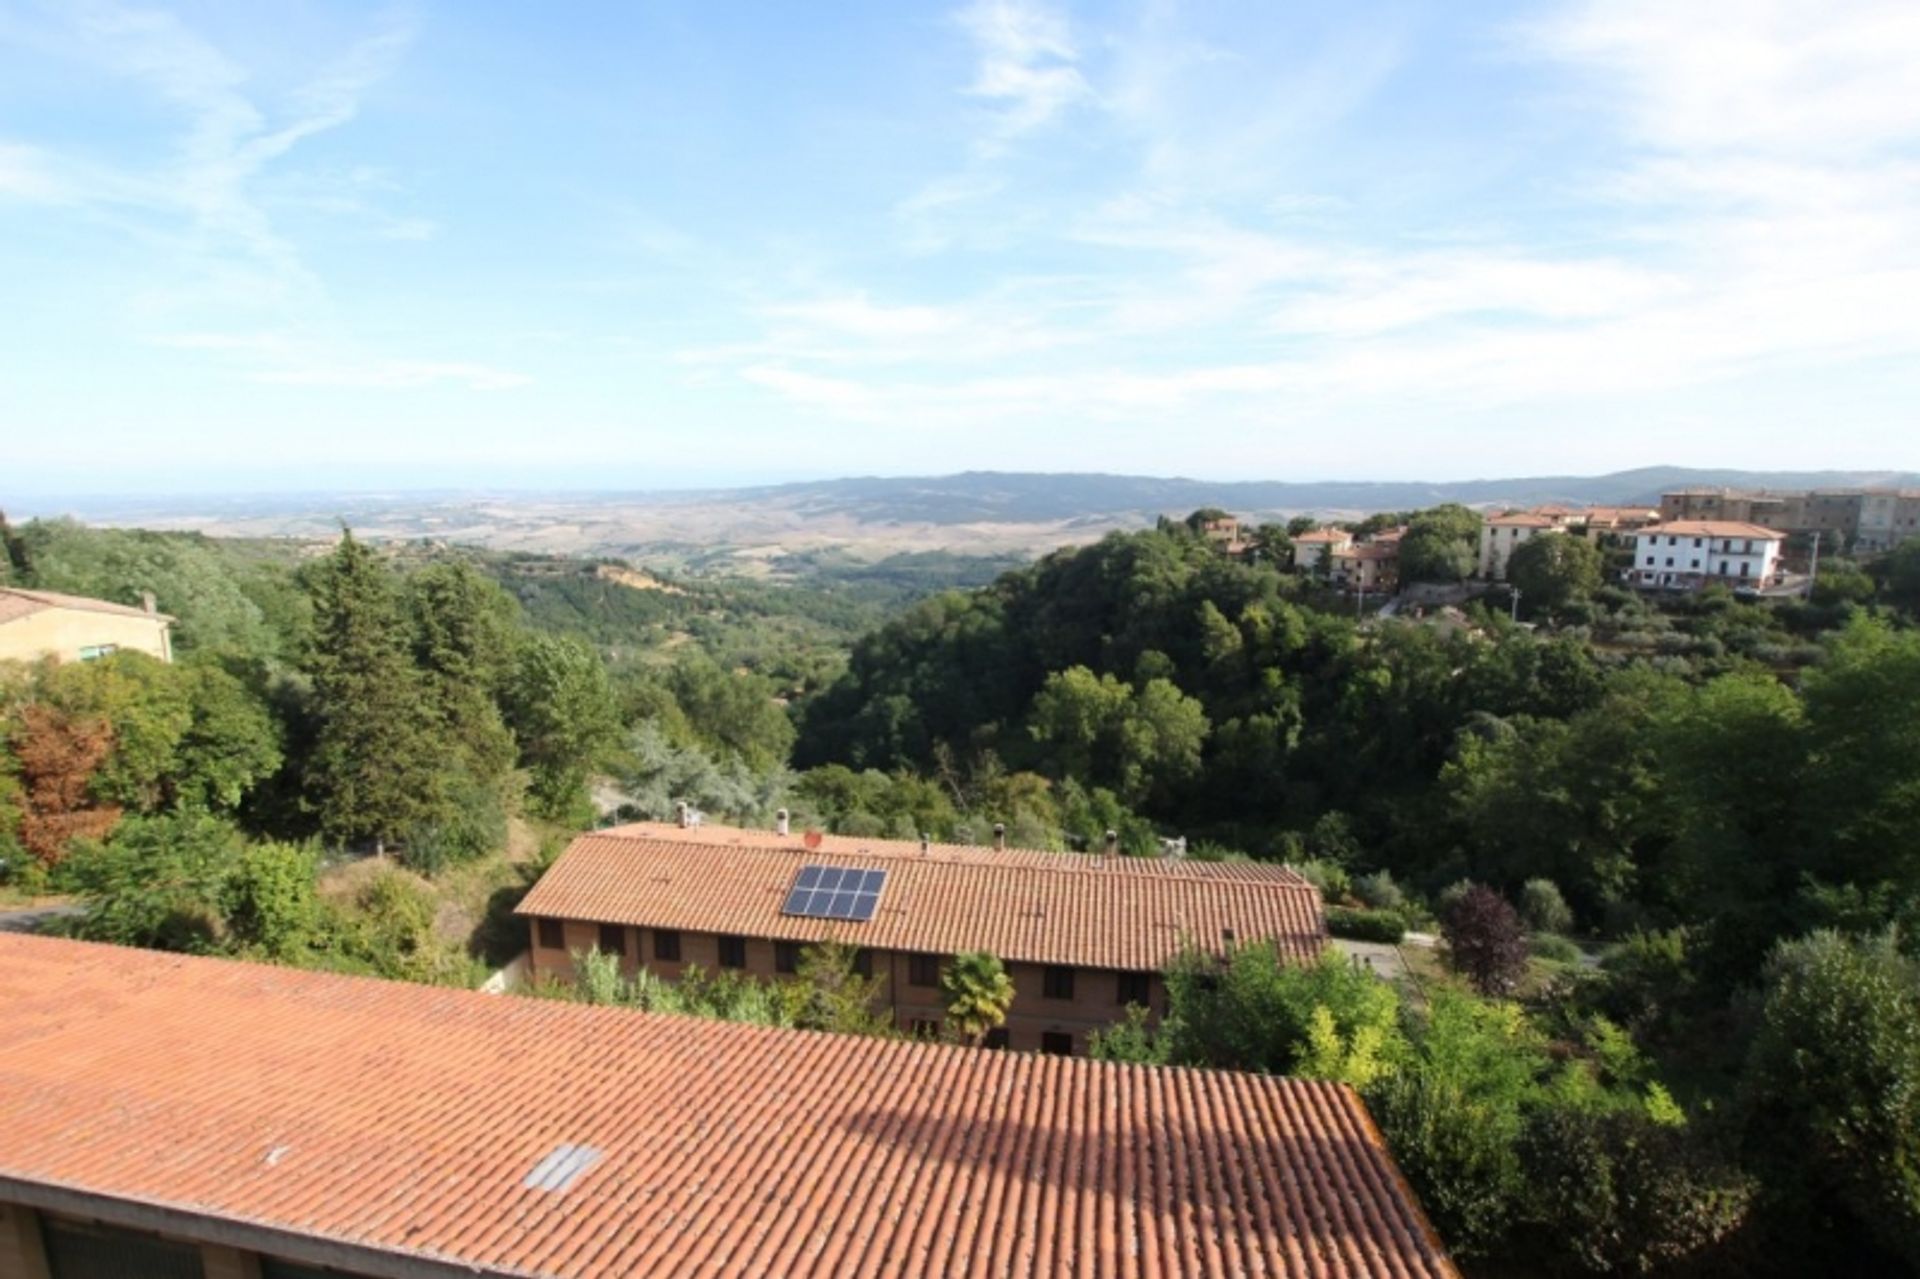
(17, 602)
(288, 1111)
(1126, 913)
(1715, 528)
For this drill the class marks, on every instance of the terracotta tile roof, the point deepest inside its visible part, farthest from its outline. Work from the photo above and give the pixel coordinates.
(1715, 528)
(1324, 535)
(1126, 913)
(1521, 519)
(286, 1111)
(16, 602)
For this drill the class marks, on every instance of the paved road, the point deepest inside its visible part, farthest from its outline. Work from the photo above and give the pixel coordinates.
(31, 919)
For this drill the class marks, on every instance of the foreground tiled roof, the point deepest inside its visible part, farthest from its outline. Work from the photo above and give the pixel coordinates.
(16, 602)
(1715, 528)
(1131, 913)
(284, 1111)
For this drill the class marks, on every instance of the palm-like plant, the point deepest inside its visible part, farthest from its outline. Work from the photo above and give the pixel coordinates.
(978, 993)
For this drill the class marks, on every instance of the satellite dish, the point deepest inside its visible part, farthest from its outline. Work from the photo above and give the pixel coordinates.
(812, 839)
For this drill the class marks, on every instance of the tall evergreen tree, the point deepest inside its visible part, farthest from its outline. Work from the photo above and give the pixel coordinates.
(374, 773)
(464, 631)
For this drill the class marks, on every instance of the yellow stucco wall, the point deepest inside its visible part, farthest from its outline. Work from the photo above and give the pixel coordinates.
(65, 631)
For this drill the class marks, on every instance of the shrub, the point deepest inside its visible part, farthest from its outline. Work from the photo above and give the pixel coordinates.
(1485, 942)
(1365, 925)
(1552, 946)
(1615, 1192)
(1832, 1087)
(1331, 880)
(1379, 891)
(1456, 1152)
(1258, 1011)
(1544, 909)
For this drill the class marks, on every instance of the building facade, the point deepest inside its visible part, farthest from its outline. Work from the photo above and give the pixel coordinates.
(1312, 545)
(1888, 517)
(1502, 535)
(1082, 935)
(1691, 554)
(73, 628)
(178, 1117)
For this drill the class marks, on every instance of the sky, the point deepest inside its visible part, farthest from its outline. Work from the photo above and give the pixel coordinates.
(661, 244)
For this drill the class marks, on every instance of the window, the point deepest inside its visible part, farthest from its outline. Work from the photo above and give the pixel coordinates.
(1669, 561)
(733, 952)
(786, 957)
(996, 1038)
(613, 939)
(1696, 564)
(552, 935)
(1133, 988)
(88, 1250)
(1056, 1043)
(863, 962)
(923, 970)
(94, 652)
(1696, 543)
(666, 945)
(1058, 983)
(1649, 561)
(1673, 541)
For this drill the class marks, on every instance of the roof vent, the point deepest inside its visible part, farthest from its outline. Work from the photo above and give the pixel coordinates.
(561, 1168)
(999, 837)
(1113, 843)
(782, 824)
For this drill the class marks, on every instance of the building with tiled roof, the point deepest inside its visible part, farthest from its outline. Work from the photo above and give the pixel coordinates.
(1082, 935)
(1308, 547)
(1502, 535)
(70, 628)
(172, 1115)
(1686, 555)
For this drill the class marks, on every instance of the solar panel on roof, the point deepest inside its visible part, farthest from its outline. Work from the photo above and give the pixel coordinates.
(835, 892)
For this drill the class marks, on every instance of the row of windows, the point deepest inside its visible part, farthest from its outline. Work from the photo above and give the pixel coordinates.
(1057, 981)
(1724, 570)
(1726, 544)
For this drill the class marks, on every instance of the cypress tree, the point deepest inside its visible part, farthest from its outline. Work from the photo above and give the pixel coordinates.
(374, 773)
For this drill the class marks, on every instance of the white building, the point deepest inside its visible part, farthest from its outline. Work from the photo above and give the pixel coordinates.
(1689, 554)
(1310, 545)
(1500, 535)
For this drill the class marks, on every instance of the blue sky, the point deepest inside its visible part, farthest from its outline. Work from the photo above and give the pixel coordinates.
(664, 244)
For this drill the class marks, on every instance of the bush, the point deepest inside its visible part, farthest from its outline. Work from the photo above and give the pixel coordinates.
(1365, 925)
(1552, 946)
(1832, 1087)
(1379, 891)
(1614, 1192)
(1331, 880)
(1544, 909)
(1456, 1152)
(1485, 942)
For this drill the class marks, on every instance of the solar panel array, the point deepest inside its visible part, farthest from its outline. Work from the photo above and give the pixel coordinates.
(835, 892)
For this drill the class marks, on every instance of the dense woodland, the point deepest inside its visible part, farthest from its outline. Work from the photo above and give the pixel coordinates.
(1720, 797)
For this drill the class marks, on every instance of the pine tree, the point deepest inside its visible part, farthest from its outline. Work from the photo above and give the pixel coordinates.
(375, 774)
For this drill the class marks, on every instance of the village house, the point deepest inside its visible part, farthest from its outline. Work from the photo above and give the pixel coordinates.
(1599, 522)
(1310, 546)
(1888, 517)
(1082, 935)
(1370, 566)
(1501, 535)
(178, 1117)
(1690, 554)
(73, 628)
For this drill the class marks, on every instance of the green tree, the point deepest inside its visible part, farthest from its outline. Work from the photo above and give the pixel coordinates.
(374, 772)
(231, 745)
(465, 629)
(268, 902)
(1260, 1011)
(1832, 1087)
(1554, 569)
(836, 996)
(561, 708)
(1899, 575)
(977, 992)
(156, 882)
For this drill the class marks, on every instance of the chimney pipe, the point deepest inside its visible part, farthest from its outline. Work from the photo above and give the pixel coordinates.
(1113, 843)
(781, 823)
(999, 837)
(148, 603)
(926, 843)
(686, 814)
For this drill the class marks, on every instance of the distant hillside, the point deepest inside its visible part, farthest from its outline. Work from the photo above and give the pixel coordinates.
(1024, 497)
(793, 532)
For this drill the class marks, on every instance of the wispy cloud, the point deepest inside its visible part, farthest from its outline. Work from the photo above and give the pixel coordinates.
(1028, 65)
(282, 359)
